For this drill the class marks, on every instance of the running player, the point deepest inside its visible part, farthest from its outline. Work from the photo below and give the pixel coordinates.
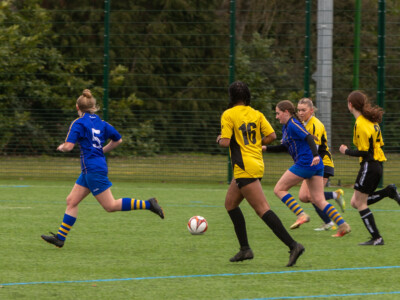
(368, 139)
(305, 112)
(244, 130)
(90, 132)
(307, 166)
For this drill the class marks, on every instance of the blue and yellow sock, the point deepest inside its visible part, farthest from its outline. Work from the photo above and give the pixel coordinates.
(290, 202)
(321, 214)
(133, 204)
(332, 213)
(65, 227)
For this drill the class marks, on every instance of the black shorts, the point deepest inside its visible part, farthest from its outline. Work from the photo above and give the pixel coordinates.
(368, 177)
(329, 172)
(241, 182)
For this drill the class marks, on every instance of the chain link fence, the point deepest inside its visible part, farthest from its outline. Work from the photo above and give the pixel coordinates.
(160, 75)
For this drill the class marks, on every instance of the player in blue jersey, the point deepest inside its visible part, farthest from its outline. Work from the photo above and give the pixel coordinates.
(305, 112)
(307, 166)
(91, 133)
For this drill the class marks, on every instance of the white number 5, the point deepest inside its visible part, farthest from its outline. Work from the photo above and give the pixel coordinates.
(95, 139)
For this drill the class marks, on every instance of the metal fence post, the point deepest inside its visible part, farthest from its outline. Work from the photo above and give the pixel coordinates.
(381, 54)
(307, 50)
(106, 68)
(232, 40)
(357, 27)
(381, 62)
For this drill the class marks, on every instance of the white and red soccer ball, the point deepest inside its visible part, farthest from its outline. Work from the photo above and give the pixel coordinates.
(197, 225)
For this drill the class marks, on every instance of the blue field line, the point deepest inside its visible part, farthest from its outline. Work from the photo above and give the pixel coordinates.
(327, 296)
(197, 276)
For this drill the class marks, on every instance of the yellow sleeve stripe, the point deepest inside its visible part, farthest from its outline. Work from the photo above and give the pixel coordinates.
(301, 128)
(69, 130)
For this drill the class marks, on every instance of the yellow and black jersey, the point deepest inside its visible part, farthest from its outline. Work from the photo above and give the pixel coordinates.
(245, 127)
(317, 129)
(367, 137)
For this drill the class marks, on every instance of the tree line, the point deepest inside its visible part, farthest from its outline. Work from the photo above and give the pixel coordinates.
(170, 57)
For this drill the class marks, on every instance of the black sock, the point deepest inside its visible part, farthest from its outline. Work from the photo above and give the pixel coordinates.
(273, 221)
(240, 226)
(322, 215)
(377, 196)
(369, 222)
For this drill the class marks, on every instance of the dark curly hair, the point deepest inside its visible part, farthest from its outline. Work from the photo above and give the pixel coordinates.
(239, 92)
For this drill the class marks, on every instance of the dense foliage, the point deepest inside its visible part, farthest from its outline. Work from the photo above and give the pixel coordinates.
(170, 58)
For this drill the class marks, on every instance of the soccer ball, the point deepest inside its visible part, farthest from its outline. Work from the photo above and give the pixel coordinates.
(197, 225)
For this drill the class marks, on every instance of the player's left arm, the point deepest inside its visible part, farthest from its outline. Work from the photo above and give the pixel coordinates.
(111, 145)
(267, 131)
(266, 140)
(114, 136)
(314, 149)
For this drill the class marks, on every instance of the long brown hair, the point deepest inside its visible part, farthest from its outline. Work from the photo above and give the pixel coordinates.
(360, 102)
(86, 102)
(287, 105)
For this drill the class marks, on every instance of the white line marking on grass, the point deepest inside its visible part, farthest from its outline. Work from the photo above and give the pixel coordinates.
(327, 296)
(27, 207)
(191, 205)
(199, 276)
(130, 188)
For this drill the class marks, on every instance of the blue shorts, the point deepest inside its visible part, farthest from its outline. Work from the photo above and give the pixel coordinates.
(95, 182)
(306, 173)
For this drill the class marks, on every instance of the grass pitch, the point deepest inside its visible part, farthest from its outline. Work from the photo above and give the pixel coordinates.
(136, 255)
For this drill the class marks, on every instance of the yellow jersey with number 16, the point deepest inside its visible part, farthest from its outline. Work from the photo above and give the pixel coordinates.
(245, 127)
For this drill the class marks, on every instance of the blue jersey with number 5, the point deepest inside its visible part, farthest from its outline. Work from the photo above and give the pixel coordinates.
(91, 133)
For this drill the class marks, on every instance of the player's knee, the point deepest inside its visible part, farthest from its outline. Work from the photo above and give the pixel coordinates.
(304, 198)
(229, 206)
(354, 204)
(276, 191)
(70, 201)
(110, 208)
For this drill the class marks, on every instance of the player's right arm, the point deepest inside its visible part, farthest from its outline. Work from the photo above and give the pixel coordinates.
(224, 139)
(66, 147)
(72, 137)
